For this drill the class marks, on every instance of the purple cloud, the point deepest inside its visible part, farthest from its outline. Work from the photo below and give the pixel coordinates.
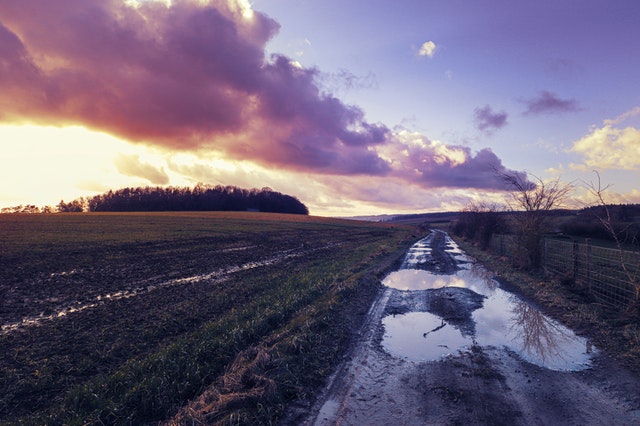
(434, 164)
(195, 75)
(488, 120)
(186, 76)
(547, 103)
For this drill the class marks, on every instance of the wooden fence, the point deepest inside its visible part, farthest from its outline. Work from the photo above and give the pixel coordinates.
(610, 275)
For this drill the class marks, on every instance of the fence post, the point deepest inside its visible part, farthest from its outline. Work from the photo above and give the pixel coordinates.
(575, 260)
(588, 241)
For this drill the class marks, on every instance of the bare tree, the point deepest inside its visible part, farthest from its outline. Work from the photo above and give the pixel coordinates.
(479, 221)
(630, 266)
(532, 203)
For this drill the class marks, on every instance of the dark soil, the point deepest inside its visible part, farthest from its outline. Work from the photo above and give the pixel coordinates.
(78, 307)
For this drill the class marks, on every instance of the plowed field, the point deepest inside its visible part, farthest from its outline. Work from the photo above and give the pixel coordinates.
(126, 318)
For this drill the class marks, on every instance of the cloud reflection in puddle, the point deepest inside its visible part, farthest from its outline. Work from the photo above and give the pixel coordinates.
(504, 320)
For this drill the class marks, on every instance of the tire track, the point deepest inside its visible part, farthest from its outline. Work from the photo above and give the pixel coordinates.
(215, 277)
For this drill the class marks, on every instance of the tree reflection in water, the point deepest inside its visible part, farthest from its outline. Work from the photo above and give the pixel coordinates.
(482, 275)
(541, 336)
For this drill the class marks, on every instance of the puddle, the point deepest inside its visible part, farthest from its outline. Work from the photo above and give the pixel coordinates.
(421, 336)
(508, 321)
(420, 253)
(417, 279)
(473, 278)
(503, 320)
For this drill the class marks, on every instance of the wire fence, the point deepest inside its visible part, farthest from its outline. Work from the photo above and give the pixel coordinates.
(610, 275)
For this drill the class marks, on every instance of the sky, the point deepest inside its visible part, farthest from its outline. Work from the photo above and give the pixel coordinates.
(356, 107)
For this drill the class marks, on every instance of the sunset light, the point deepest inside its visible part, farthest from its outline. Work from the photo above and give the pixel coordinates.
(316, 99)
(319, 212)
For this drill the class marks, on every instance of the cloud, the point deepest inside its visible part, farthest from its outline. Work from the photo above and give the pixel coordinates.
(609, 146)
(335, 195)
(428, 163)
(186, 76)
(345, 80)
(131, 165)
(631, 197)
(633, 113)
(428, 49)
(192, 75)
(548, 103)
(488, 120)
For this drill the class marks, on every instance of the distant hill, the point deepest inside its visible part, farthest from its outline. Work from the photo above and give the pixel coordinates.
(624, 218)
(425, 217)
(416, 218)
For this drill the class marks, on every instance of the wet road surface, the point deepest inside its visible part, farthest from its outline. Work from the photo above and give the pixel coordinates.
(444, 344)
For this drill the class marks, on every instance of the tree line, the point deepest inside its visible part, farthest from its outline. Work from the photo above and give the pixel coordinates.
(200, 198)
(623, 221)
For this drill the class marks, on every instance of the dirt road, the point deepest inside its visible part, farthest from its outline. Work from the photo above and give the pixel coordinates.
(469, 353)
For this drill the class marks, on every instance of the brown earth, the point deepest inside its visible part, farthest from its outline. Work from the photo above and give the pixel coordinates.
(87, 302)
(483, 385)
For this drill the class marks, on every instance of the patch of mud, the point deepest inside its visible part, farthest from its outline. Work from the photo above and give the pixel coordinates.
(450, 307)
(429, 254)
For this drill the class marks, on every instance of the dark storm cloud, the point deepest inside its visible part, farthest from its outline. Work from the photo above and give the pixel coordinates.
(170, 75)
(191, 76)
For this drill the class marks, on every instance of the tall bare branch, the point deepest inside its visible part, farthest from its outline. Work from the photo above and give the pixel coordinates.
(532, 201)
(632, 273)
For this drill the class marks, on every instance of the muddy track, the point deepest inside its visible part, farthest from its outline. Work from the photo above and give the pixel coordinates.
(442, 261)
(135, 289)
(478, 385)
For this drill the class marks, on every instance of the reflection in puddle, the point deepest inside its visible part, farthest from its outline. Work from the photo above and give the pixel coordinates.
(504, 320)
(416, 279)
(508, 321)
(421, 336)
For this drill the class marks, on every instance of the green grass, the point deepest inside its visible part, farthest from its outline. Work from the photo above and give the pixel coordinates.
(240, 349)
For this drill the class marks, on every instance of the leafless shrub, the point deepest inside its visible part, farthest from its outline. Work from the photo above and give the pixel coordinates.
(532, 201)
(479, 221)
(630, 268)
